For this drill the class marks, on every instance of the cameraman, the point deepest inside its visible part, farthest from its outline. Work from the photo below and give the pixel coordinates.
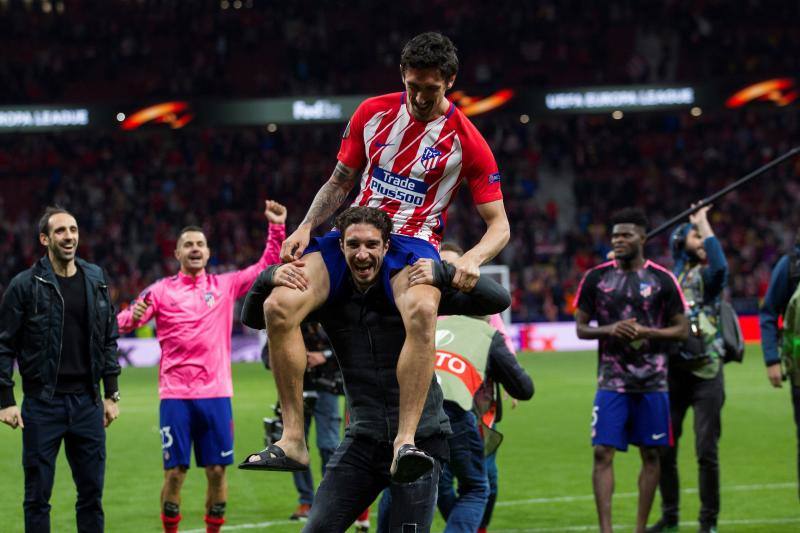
(322, 385)
(695, 374)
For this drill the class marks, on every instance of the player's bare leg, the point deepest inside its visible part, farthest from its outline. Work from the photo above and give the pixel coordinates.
(173, 481)
(648, 481)
(418, 307)
(285, 309)
(171, 497)
(216, 496)
(603, 484)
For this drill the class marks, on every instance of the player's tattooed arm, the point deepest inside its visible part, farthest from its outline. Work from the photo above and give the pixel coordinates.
(328, 199)
(331, 195)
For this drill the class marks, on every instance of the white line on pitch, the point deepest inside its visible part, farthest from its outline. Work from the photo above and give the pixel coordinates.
(593, 527)
(258, 525)
(731, 488)
(590, 497)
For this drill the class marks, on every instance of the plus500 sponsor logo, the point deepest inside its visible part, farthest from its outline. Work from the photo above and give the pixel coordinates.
(397, 187)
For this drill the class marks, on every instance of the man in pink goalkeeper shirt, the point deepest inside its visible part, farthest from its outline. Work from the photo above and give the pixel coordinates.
(193, 311)
(412, 150)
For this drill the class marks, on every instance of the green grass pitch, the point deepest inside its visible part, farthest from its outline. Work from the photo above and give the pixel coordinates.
(545, 462)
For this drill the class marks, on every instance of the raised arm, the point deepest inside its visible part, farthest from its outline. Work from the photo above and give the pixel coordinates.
(715, 273)
(328, 199)
(275, 214)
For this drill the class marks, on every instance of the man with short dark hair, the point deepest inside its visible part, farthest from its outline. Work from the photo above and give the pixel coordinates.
(367, 335)
(639, 309)
(57, 321)
(412, 151)
(193, 311)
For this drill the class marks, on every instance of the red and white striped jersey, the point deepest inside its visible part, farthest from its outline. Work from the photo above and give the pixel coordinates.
(412, 169)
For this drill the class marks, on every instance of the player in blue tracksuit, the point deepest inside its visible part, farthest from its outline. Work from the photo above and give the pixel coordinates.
(782, 286)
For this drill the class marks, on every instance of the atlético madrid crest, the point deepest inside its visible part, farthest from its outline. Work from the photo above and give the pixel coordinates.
(209, 298)
(430, 158)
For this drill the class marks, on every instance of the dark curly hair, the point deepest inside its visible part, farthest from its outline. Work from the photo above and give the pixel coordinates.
(365, 215)
(630, 215)
(430, 50)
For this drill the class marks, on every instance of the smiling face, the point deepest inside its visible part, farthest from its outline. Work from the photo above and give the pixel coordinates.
(192, 252)
(425, 88)
(627, 240)
(364, 249)
(61, 239)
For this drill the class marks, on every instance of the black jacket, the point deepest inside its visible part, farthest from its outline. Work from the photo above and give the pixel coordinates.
(503, 367)
(31, 322)
(367, 334)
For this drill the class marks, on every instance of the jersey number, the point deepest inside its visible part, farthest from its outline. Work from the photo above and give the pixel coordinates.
(166, 437)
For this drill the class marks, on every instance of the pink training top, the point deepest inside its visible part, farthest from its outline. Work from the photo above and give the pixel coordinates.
(194, 317)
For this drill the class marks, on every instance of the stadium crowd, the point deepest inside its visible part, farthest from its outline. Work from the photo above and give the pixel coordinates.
(165, 180)
(131, 49)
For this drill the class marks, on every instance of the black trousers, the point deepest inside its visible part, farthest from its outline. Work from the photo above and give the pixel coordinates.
(706, 397)
(796, 405)
(355, 475)
(77, 419)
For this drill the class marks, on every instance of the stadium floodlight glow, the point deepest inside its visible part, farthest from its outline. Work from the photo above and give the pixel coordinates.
(237, 4)
(696, 112)
(472, 106)
(120, 117)
(524, 119)
(272, 127)
(176, 114)
(616, 115)
(780, 91)
(224, 4)
(47, 7)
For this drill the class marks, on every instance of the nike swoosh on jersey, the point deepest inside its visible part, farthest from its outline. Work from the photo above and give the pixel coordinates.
(226, 454)
(658, 436)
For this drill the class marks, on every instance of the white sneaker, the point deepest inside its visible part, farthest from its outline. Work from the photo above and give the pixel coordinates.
(362, 526)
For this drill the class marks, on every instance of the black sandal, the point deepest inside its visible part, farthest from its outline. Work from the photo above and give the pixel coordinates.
(272, 458)
(410, 464)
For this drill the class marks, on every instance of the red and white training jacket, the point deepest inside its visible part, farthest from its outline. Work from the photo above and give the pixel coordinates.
(412, 169)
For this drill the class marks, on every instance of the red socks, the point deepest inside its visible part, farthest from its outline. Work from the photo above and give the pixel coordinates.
(214, 524)
(170, 523)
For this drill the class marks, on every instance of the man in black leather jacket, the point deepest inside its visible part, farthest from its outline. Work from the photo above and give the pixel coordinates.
(58, 323)
(367, 334)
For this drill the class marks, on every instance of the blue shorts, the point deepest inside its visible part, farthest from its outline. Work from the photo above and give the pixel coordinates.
(207, 422)
(403, 251)
(638, 418)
